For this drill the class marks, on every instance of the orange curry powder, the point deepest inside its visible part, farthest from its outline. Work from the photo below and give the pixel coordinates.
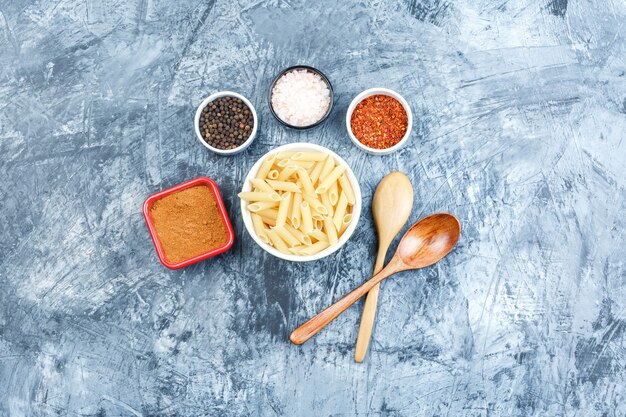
(379, 121)
(188, 223)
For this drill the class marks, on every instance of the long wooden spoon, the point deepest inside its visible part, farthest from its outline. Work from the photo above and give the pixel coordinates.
(425, 243)
(391, 208)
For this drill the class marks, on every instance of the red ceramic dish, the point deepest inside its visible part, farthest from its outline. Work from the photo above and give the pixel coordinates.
(147, 206)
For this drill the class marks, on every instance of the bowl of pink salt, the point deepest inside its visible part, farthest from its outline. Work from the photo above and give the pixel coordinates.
(301, 97)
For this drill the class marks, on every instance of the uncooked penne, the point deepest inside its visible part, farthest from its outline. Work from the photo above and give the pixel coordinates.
(333, 193)
(340, 210)
(259, 227)
(265, 167)
(308, 156)
(262, 205)
(315, 203)
(270, 221)
(283, 209)
(295, 210)
(270, 212)
(347, 219)
(259, 196)
(299, 235)
(303, 164)
(307, 220)
(284, 234)
(284, 186)
(317, 247)
(277, 241)
(330, 230)
(317, 170)
(329, 179)
(261, 185)
(300, 202)
(305, 180)
(329, 164)
(317, 234)
(326, 202)
(347, 188)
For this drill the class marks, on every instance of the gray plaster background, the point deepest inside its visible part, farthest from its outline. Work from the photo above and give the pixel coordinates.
(520, 121)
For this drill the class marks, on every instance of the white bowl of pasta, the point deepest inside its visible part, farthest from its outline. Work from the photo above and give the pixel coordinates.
(300, 202)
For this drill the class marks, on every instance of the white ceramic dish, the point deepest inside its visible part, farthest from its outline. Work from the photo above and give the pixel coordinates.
(356, 213)
(243, 146)
(373, 92)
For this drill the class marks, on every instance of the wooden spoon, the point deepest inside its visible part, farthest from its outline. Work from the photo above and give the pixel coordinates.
(391, 208)
(425, 243)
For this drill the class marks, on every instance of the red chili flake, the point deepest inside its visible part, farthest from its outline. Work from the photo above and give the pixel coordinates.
(379, 121)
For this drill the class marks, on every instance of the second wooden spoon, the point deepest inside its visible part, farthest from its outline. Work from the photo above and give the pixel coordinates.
(391, 208)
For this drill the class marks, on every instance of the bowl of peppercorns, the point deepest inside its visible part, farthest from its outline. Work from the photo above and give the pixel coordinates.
(226, 123)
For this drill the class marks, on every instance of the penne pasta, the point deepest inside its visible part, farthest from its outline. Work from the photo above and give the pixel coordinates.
(315, 203)
(287, 172)
(259, 196)
(270, 221)
(347, 219)
(329, 179)
(328, 166)
(295, 210)
(270, 213)
(262, 205)
(333, 194)
(305, 180)
(340, 210)
(259, 227)
(346, 187)
(261, 185)
(300, 202)
(305, 239)
(265, 167)
(303, 164)
(308, 156)
(284, 234)
(284, 186)
(330, 230)
(277, 241)
(317, 247)
(316, 171)
(326, 202)
(296, 249)
(307, 220)
(317, 234)
(283, 209)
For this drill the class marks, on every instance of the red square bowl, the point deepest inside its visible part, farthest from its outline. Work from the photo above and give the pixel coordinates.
(147, 206)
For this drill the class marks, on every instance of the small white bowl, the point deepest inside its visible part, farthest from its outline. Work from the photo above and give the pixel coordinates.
(243, 146)
(356, 210)
(385, 92)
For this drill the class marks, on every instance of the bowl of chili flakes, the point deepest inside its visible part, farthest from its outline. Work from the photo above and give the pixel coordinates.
(379, 121)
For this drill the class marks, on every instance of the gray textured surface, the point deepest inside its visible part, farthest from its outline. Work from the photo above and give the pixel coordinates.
(520, 126)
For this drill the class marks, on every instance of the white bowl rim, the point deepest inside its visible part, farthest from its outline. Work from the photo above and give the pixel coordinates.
(356, 213)
(388, 92)
(209, 99)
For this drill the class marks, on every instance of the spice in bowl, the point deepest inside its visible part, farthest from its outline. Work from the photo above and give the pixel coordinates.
(379, 121)
(188, 223)
(226, 123)
(301, 97)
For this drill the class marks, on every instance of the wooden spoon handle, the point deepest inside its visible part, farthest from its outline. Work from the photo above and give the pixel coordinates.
(369, 308)
(319, 321)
